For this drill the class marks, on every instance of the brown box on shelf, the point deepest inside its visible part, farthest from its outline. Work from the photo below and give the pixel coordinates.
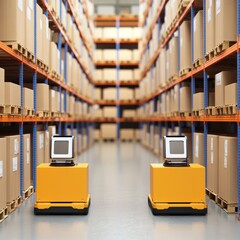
(110, 112)
(109, 74)
(210, 25)
(156, 143)
(212, 163)
(221, 80)
(46, 41)
(211, 99)
(136, 55)
(12, 14)
(40, 147)
(228, 186)
(40, 33)
(46, 146)
(231, 94)
(198, 154)
(173, 51)
(185, 42)
(185, 99)
(97, 94)
(98, 32)
(3, 173)
(98, 113)
(125, 55)
(225, 21)
(109, 94)
(109, 33)
(109, 55)
(126, 94)
(98, 55)
(42, 99)
(12, 94)
(27, 161)
(127, 113)
(52, 131)
(29, 25)
(126, 75)
(198, 101)
(97, 135)
(2, 86)
(109, 131)
(28, 98)
(98, 75)
(53, 100)
(198, 35)
(136, 74)
(13, 167)
(127, 134)
(125, 32)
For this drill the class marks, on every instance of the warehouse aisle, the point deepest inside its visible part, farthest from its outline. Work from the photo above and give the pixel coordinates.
(119, 185)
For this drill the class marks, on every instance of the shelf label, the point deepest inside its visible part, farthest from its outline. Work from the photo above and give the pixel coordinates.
(28, 158)
(29, 17)
(218, 80)
(196, 146)
(211, 157)
(218, 6)
(14, 164)
(28, 144)
(1, 168)
(20, 5)
(209, 15)
(225, 153)
(30, 4)
(15, 146)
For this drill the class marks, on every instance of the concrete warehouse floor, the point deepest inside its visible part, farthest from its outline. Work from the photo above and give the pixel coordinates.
(119, 186)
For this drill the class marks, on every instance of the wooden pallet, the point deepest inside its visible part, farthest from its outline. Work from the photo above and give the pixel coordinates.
(12, 206)
(17, 47)
(198, 113)
(209, 55)
(43, 114)
(211, 195)
(175, 114)
(219, 111)
(108, 139)
(210, 111)
(227, 207)
(3, 214)
(27, 193)
(10, 110)
(30, 56)
(128, 140)
(223, 46)
(185, 114)
(55, 114)
(172, 79)
(198, 62)
(184, 71)
(28, 112)
(230, 110)
(182, 6)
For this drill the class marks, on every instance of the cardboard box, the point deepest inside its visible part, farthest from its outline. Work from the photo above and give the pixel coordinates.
(98, 113)
(198, 101)
(125, 33)
(3, 174)
(225, 21)
(12, 94)
(185, 42)
(156, 143)
(110, 112)
(210, 25)
(12, 14)
(98, 75)
(125, 55)
(228, 187)
(28, 98)
(198, 35)
(173, 51)
(29, 25)
(185, 99)
(108, 131)
(40, 147)
(125, 75)
(13, 167)
(46, 41)
(126, 94)
(98, 32)
(46, 146)
(110, 74)
(97, 135)
(98, 55)
(136, 55)
(127, 113)
(40, 33)
(109, 33)
(230, 94)
(53, 101)
(136, 74)
(109, 55)
(42, 99)
(212, 163)
(97, 94)
(52, 131)
(126, 134)
(211, 99)
(110, 94)
(198, 154)
(221, 80)
(2, 86)
(27, 146)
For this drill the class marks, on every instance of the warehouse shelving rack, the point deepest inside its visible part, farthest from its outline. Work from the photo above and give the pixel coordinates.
(29, 72)
(212, 66)
(117, 21)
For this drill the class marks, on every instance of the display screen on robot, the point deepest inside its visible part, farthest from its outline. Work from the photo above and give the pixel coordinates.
(175, 147)
(62, 147)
